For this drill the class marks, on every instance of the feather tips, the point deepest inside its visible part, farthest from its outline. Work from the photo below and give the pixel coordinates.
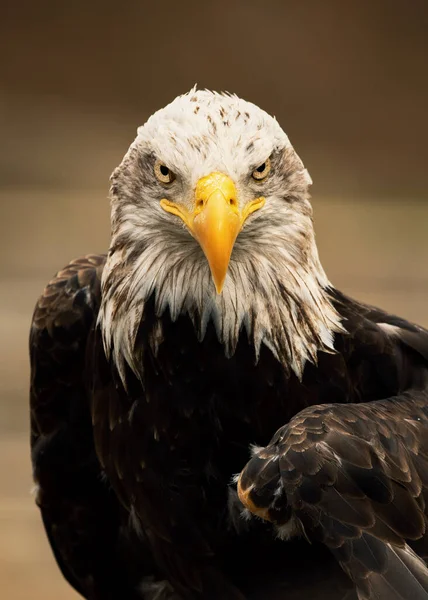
(360, 495)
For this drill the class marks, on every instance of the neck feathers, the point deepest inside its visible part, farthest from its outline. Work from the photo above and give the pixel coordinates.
(280, 298)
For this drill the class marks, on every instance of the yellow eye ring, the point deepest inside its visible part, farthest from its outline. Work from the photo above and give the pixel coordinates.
(163, 173)
(262, 171)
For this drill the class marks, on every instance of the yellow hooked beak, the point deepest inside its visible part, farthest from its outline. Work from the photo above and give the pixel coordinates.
(215, 220)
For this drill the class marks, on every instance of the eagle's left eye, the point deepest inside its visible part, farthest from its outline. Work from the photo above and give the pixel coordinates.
(262, 171)
(163, 173)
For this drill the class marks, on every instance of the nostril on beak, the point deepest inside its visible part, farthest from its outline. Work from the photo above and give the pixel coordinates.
(232, 201)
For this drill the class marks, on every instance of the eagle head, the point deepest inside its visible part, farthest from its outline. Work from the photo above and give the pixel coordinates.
(211, 218)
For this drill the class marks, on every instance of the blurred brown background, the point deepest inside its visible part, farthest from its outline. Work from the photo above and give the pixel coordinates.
(347, 80)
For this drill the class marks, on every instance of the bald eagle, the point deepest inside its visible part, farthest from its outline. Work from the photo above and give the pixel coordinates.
(161, 371)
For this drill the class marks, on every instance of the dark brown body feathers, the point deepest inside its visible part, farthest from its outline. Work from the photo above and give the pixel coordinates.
(135, 484)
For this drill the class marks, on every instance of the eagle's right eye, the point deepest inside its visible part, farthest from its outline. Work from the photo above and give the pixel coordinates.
(163, 173)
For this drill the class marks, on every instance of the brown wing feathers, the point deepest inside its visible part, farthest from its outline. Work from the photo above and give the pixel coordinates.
(80, 515)
(356, 478)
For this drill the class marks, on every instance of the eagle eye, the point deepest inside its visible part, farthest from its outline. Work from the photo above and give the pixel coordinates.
(262, 171)
(163, 173)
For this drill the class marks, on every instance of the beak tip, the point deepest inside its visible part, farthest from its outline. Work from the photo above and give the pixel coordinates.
(219, 283)
(219, 288)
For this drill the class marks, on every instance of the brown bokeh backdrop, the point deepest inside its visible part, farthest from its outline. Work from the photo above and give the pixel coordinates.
(347, 80)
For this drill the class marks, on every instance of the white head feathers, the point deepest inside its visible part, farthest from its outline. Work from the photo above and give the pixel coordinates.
(275, 287)
(204, 131)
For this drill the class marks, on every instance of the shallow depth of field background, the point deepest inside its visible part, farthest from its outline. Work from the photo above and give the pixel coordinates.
(347, 81)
